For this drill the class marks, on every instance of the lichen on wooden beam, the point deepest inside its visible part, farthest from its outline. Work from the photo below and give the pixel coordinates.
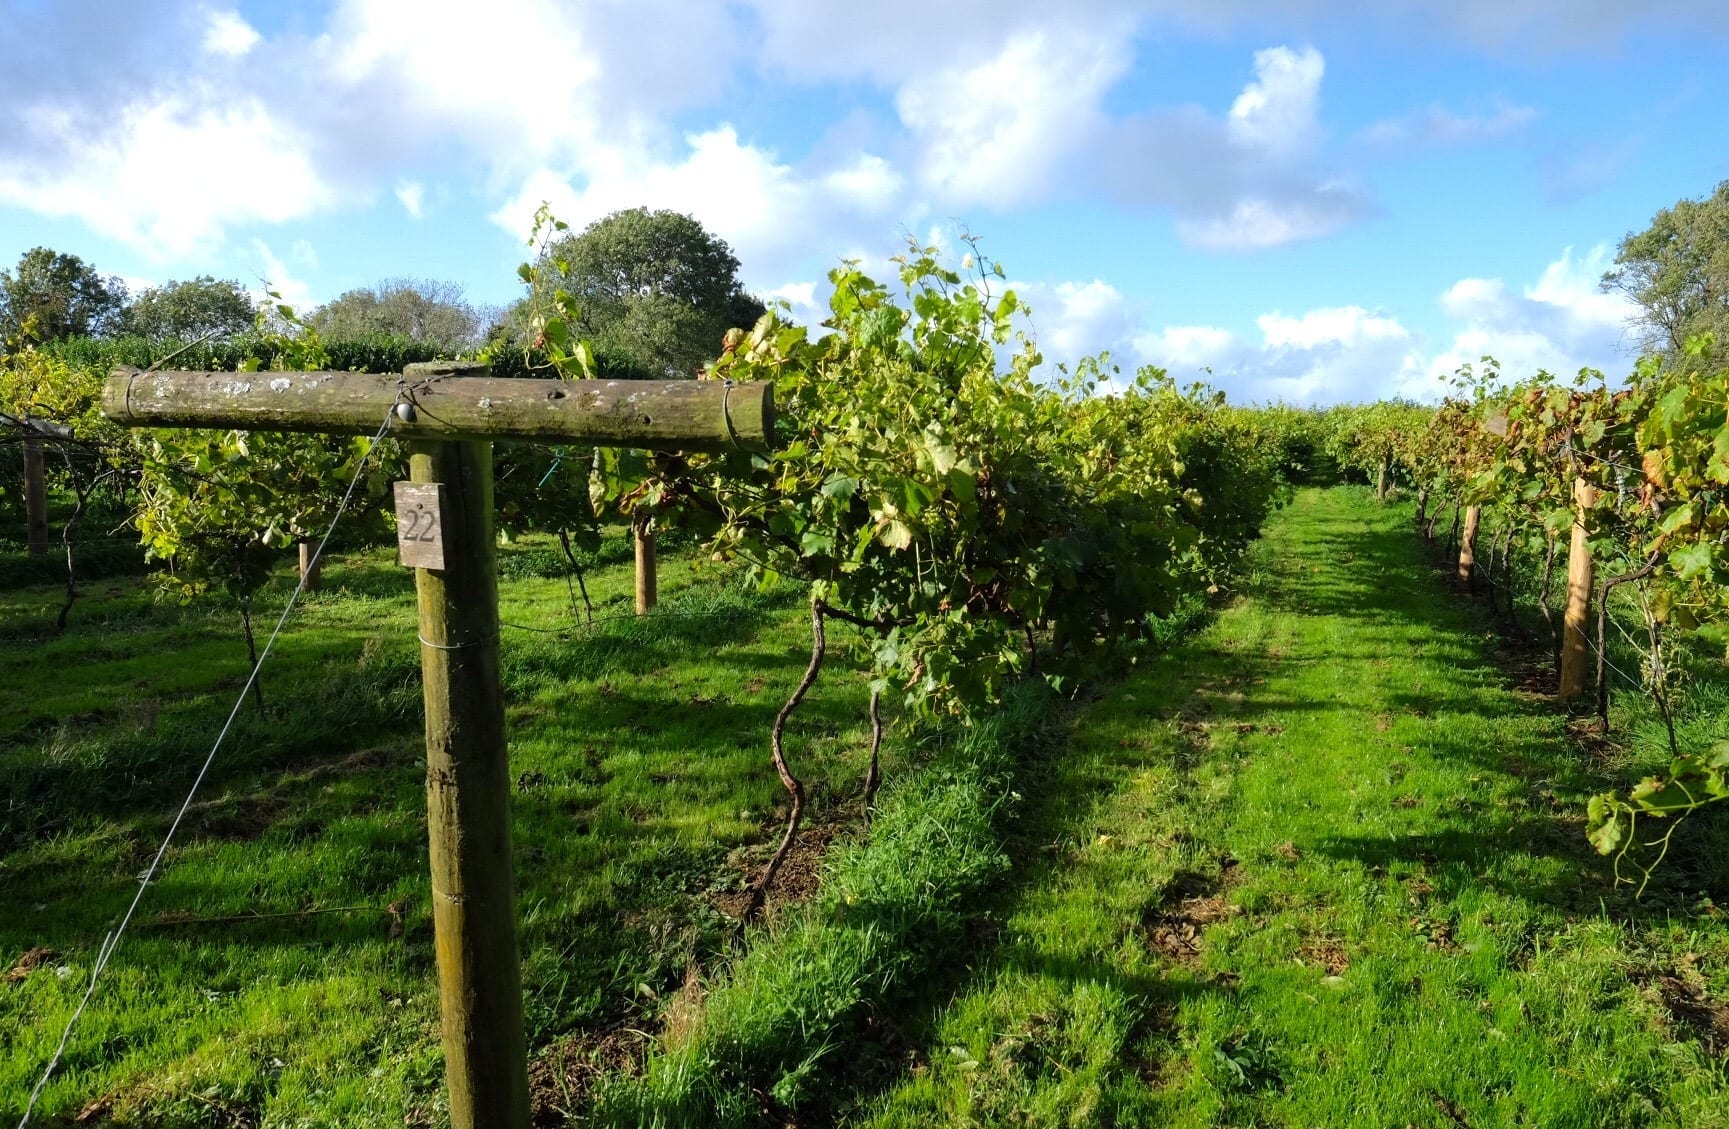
(665, 415)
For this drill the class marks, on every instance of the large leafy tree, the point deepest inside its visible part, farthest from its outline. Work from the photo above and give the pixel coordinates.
(653, 288)
(420, 309)
(50, 295)
(190, 310)
(1677, 270)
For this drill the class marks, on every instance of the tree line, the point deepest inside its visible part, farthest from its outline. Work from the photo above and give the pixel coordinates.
(654, 292)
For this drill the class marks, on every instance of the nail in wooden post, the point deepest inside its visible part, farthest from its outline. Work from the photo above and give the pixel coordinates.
(468, 799)
(1468, 544)
(1574, 642)
(647, 580)
(35, 496)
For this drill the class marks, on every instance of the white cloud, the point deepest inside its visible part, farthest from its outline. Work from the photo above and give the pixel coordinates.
(1278, 113)
(1185, 349)
(411, 194)
(228, 35)
(1072, 320)
(274, 275)
(1339, 325)
(1253, 179)
(1438, 125)
(1258, 222)
(870, 184)
(1008, 103)
(805, 308)
(769, 211)
(1561, 323)
(993, 133)
(171, 173)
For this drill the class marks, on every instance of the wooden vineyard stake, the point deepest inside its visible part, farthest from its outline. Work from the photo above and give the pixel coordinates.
(311, 566)
(446, 533)
(647, 579)
(1468, 545)
(1574, 641)
(35, 496)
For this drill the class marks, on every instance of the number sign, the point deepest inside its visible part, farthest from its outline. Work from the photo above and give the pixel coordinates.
(420, 524)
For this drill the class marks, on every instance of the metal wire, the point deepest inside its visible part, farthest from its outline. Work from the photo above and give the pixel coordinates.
(112, 940)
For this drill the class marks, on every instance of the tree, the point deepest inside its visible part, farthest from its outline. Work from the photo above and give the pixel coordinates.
(652, 287)
(190, 310)
(421, 309)
(51, 295)
(1677, 271)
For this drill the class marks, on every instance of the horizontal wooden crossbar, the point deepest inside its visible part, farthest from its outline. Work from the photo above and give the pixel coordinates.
(663, 415)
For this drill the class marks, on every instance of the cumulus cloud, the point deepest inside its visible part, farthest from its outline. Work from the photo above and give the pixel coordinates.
(1071, 320)
(991, 104)
(132, 183)
(227, 34)
(1325, 355)
(1560, 322)
(765, 208)
(1253, 179)
(1277, 114)
(993, 133)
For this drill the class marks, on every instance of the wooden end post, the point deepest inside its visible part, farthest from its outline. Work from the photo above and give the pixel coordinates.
(1468, 545)
(450, 416)
(468, 799)
(1574, 642)
(35, 496)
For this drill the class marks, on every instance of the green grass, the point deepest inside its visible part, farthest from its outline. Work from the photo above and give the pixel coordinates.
(1322, 866)
(639, 751)
(791, 1014)
(1319, 864)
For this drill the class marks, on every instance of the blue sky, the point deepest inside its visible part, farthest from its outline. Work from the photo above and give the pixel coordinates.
(1309, 202)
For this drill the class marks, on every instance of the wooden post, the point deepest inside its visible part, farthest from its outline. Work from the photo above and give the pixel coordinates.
(450, 419)
(647, 581)
(1468, 545)
(468, 799)
(1381, 479)
(311, 568)
(1574, 641)
(35, 496)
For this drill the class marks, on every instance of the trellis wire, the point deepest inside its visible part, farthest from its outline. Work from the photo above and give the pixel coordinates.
(112, 940)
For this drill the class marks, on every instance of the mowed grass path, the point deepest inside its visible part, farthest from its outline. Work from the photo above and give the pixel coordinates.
(1323, 866)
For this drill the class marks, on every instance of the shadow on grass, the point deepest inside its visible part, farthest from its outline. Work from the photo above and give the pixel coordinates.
(138, 757)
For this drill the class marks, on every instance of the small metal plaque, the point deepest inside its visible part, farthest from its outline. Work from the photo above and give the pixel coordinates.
(420, 524)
